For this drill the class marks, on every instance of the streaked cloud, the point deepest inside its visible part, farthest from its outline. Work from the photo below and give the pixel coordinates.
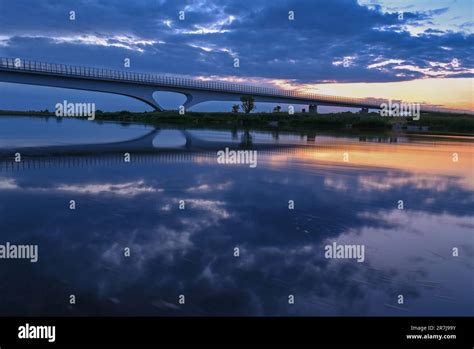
(123, 189)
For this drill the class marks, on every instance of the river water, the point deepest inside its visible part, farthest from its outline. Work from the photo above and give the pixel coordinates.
(249, 241)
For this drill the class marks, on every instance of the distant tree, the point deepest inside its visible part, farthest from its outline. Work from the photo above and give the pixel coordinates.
(277, 109)
(235, 108)
(248, 103)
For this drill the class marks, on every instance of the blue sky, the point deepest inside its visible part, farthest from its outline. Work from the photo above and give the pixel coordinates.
(431, 41)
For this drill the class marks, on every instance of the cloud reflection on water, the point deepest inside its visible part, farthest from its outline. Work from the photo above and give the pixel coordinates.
(281, 251)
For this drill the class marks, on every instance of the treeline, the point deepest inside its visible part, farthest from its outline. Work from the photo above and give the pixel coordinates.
(431, 123)
(428, 123)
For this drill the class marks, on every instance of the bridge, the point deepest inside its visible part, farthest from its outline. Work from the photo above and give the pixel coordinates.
(141, 86)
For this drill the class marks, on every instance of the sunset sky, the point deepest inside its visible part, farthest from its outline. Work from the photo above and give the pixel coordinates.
(417, 51)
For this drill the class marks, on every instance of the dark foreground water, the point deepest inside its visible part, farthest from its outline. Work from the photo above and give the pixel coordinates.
(191, 252)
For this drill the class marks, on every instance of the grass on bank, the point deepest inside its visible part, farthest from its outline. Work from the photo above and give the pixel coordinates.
(432, 123)
(442, 123)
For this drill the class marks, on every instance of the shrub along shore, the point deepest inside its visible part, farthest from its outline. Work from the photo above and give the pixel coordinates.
(347, 122)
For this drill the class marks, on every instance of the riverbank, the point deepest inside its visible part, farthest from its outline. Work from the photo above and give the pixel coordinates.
(347, 122)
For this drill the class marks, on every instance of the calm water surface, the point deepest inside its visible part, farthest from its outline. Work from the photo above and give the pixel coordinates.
(408, 252)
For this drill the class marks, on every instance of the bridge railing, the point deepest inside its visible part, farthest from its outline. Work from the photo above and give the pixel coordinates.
(181, 82)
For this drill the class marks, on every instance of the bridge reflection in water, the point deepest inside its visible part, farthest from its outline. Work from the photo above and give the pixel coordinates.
(141, 149)
(413, 155)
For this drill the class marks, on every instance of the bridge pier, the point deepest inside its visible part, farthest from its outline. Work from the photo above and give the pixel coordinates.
(147, 97)
(313, 108)
(194, 98)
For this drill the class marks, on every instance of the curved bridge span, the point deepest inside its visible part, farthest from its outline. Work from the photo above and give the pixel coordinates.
(142, 86)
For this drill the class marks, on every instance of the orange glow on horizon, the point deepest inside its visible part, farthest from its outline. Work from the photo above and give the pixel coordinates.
(446, 92)
(457, 93)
